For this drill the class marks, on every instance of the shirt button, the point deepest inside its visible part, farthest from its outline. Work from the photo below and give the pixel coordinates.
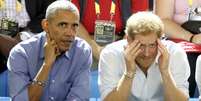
(51, 98)
(53, 81)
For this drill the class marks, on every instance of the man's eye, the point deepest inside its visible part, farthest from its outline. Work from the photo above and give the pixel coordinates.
(142, 46)
(63, 25)
(152, 45)
(75, 26)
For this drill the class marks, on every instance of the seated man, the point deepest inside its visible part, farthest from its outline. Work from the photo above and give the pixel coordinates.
(143, 67)
(53, 65)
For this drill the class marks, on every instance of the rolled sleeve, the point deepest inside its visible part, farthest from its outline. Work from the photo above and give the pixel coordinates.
(18, 79)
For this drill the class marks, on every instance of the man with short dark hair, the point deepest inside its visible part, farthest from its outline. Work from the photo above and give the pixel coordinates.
(53, 65)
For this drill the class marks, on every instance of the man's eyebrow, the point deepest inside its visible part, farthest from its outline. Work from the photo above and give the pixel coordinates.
(62, 22)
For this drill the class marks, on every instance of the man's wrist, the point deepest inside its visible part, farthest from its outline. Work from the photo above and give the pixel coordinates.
(47, 65)
(165, 72)
(129, 74)
(40, 83)
(191, 38)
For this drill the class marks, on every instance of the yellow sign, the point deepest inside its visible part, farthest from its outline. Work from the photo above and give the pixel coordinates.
(112, 10)
(190, 2)
(2, 4)
(97, 7)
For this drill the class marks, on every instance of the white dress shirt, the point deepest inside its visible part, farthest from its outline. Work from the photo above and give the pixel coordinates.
(150, 88)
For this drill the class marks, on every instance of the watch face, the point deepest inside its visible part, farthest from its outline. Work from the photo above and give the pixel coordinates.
(129, 74)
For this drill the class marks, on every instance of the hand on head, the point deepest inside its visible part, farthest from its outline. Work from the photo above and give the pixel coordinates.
(164, 56)
(131, 51)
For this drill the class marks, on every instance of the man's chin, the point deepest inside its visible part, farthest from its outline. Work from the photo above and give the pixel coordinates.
(145, 63)
(65, 49)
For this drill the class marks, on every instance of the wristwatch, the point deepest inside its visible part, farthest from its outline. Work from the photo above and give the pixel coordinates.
(40, 83)
(129, 74)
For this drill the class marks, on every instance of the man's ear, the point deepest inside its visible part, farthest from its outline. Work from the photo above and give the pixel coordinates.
(44, 24)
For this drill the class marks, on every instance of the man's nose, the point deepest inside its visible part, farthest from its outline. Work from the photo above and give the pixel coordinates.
(146, 51)
(69, 31)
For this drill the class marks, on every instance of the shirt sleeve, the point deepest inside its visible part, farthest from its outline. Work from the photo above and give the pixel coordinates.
(80, 90)
(110, 68)
(18, 78)
(180, 69)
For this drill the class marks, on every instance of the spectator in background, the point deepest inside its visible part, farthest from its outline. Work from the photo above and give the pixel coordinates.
(53, 65)
(143, 67)
(89, 17)
(28, 15)
(174, 13)
(12, 11)
(36, 11)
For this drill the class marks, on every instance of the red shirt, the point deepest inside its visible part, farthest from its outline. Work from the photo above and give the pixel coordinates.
(89, 15)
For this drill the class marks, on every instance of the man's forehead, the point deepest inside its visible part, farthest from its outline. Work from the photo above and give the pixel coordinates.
(146, 39)
(66, 16)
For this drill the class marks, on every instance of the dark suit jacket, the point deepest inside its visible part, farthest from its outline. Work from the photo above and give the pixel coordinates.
(36, 10)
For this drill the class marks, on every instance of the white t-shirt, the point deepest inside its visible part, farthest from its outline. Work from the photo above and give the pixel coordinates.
(112, 66)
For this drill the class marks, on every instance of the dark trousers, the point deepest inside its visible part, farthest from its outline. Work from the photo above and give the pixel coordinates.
(192, 57)
(3, 61)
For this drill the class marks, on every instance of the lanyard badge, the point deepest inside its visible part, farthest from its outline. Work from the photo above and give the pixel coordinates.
(104, 29)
